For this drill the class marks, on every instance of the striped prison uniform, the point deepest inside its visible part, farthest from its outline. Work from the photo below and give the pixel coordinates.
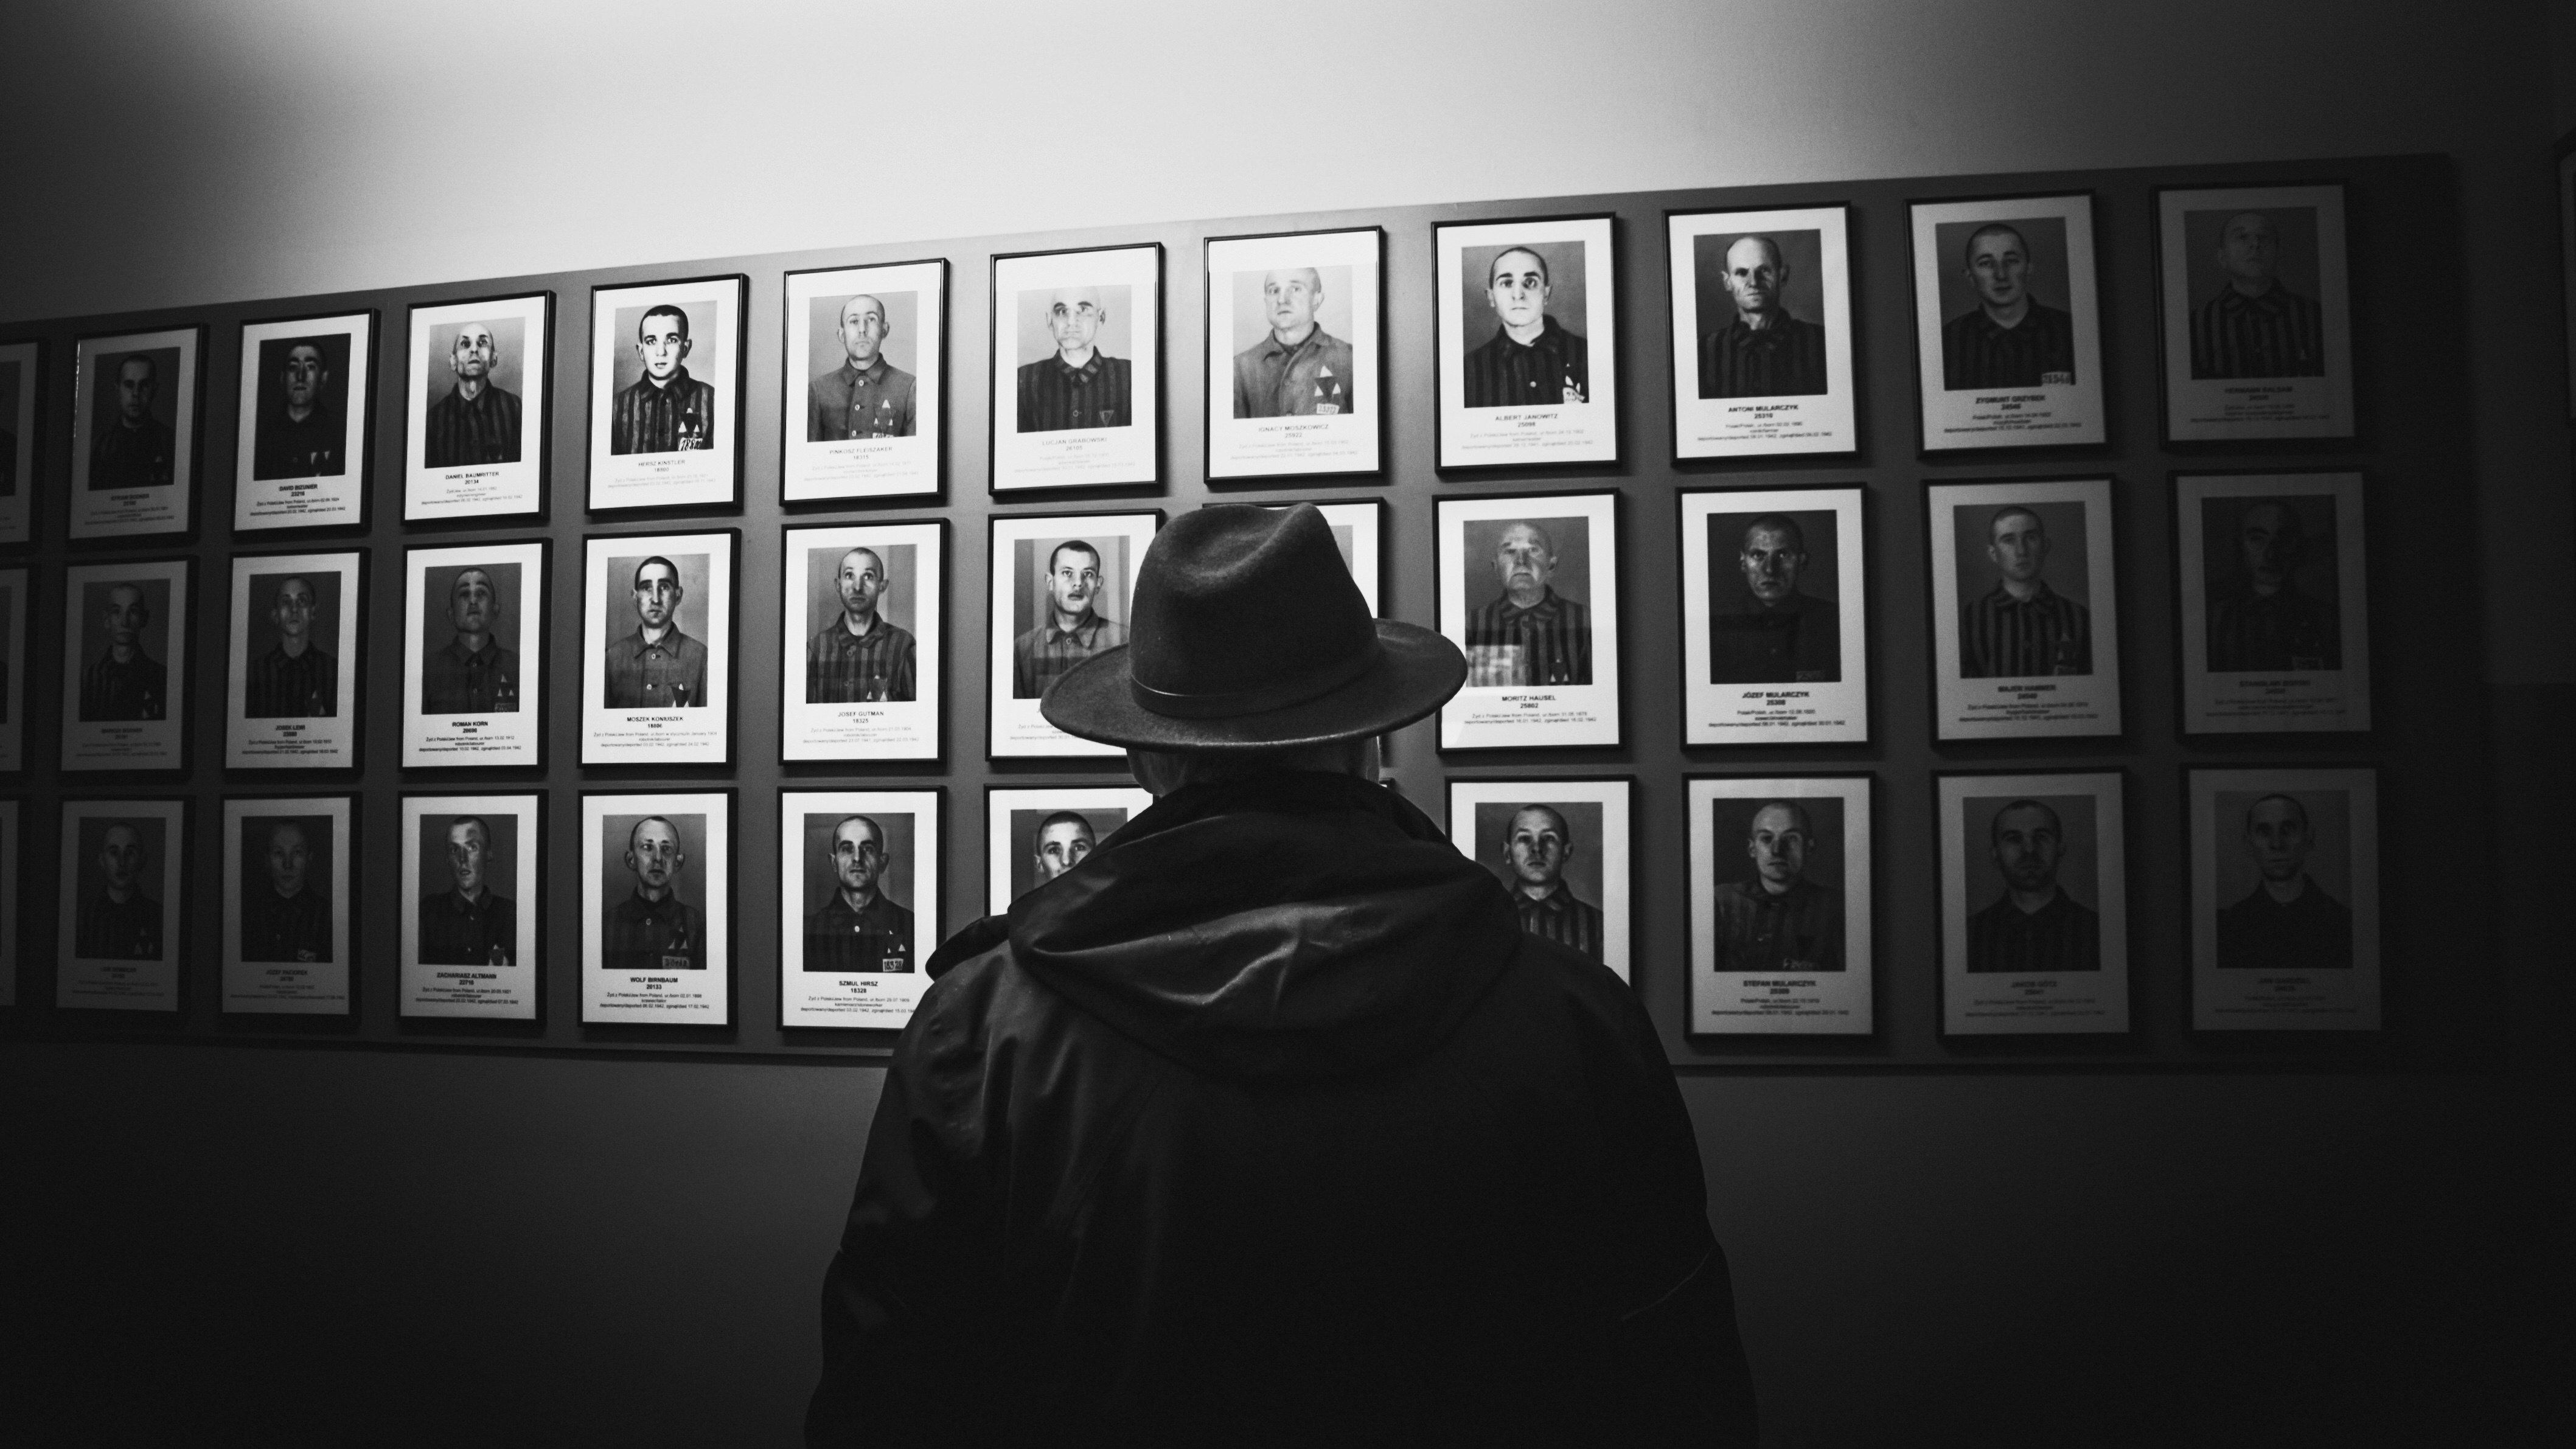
(2001, 637)
(846, 668)
(1549, 642)
(463, 433)
(2278, 334)
(678, 416)
(1046, 652)
(139, 688)
(1554, 370)
(1560, 917)
(305, 685)
(1785, 359)
(2059, 936)
(1055, 398)
(1799, 929)
(2039, 351)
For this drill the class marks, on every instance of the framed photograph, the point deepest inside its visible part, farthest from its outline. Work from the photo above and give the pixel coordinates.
(2567, 259)
(1077, 368)
(1032, 835)
(2284, 899)
(1564, 849)
(291, 693)
(1359, 531)
(867, 608)
(137, 398)
(1529, 588)
(1528, 343)
(1296, 353)
(1780, 932)
(16, 598)
(125, 664)
(473, 906)
(1060, 588)
(2255, 313)
(13, 874)
(1775, 611)
(474, 627)
(287, 905)
(666, 394)
(2007, 323)
(2034, 903)
(124, 912)
(475, 404)
(870, 347)
(22, 377)
(2025, 610)
(858, 894)
(1762, 332)
(2275, 603)
(308, 409)
(657, 908)
(657, 623)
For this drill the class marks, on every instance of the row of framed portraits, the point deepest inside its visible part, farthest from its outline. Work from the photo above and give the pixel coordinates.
(2254, 313)
(2033, 932)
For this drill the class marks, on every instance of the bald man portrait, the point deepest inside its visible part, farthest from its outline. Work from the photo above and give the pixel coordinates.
(1532, 635)
(119, 922)
(859, 928)
(866, 396)
(1762, 628)
(1080, 386)
(1073, 628)
(665, 410)
(658, 666)
(301, 432)
(2010, 338)
(861, 656)
(2034, 926)
(124, 683)
(1537, 843)
(2287, 922)
(1763, 350)
(296, 677)
(285, 916)
(477, 423)
(1532, 360)
(473, 673)
(652, 929)
(468, 922)
(2254, 326)
(1297, 369)
(1063, 841)
(2263, 621)
(2021, 627)
(131, 448)
(1774, 918)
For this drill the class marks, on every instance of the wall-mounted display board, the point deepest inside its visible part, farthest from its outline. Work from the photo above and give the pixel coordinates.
(1782, 749)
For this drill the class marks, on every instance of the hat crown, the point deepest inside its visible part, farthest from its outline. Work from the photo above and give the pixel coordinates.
(1240, 608)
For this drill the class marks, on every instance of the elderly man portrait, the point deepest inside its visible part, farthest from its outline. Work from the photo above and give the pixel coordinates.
(1531, 635)
(866, 396)
(472, 673)
(862, 655)
(1764, 350)
(296, 677)
(1080, 386)
(859, 928)
(131, 448)
(120, 922)
(2021, 627)
(124, 683)
(2266, 622)
(303, 435)
(1775, 919)
(2254, 326)
(1063, 840)
(653, 929)
(1532, 360)
(1297, 369)
(469, 923)
(1073, 629)
(1766, 630)
(2010, 338)
(665, 410)
(477, 422)
(2287, 922)
(2034, 926)
(285, 916)
(657, 666)
(1537, 842)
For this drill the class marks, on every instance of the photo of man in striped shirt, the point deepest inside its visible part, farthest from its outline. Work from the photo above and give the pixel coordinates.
(1080, 386)
(1763, 350)
(2010, 338)
(477, 422)
(2287, 922)
(2254, 326)
(1537, 843)
(119, 922)
(665, 410)
(2022, 628)
(2265, 622)
(1776, 919)
(1532, 635)
(861, 656)
(1532, 360)
(867, 396)
(2034, 927)
(296, 677)
(1073, 629)
(124, 683)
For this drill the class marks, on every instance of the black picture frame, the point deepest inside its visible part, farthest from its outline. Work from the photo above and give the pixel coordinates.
(2107, 350)
(944, 650)
(790, 950)
(598, 390)
(612, 1030)
(730, 665)
(1618, 737)
(1699, 875)
(353, 851)
(537, 443)
(789, 394)
(999, 409)
(363, 392)
(532, 928)
(1592, 463)
(1376, 468)
(191, 494)
(354, 702)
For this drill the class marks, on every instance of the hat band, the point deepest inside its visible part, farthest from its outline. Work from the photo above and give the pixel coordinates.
(1261, 698)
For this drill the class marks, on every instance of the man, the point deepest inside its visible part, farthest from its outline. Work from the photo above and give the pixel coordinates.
(1778, 920)
(474, 674)
(295, 677)
(285, 918)
(2022, 628)
(469, 923)
(302, 438)
(1268, 1124)
(1065, 839)
(653, 929)
(1763, 350)
(2267, 623)
(1768, 632)
(2255, 327)
(120, 923)
(657, 666)
(1299, 369)
(132, 448)
(1081, 386)
(1072, 630)
(2010, 339)
(861, 657)
(477, 423)
(858, 929)
(2034, 926)
(1531, 360)
(2287, 922)
(1531, 635)
(1536, 845)
(665, 410)
(125, 683)
(866, 396)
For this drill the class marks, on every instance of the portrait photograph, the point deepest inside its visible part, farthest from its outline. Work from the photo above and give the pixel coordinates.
(1780, 935)
(137, 401)
(666, 372)
(657, 648)
(1359, 531)
(472, 913)
(287, 906)
(1774, 616)
(2275, 603)
(2254, 309)
(865, 641)
(858, 896)
(2284, 899)
(15, 601)
(22, 377)
(474, 642)
(1563, 850)
(657, 908)
(123, 923)
(1061, 583)
(301, 457)
(291, 694)
(13, 875)
(1762, 333)
(2034, 903)
(1528, 351)
(2025, 610)
(1529, 588)
(125, 665)
(1034, 834)
(1077, 356)
(475, 407)
(866, 382)
(1296, 354)
(2007, 323)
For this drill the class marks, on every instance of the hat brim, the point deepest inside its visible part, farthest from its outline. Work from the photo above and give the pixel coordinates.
(1416, 672)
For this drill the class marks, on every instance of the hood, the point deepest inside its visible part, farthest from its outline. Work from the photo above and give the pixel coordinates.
(1286, 925)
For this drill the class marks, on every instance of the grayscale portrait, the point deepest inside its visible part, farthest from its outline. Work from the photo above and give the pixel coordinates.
(1778, 896)
(1761, 313)
(2025, 589)
(2004, 300)
(468, 866)
(1077, 358)
(119, 863)
(860, 365)
(289, 669)
(124, 645)
(1292, 337)
(1524, 315)
(473, 379)
(1548, 854)
(285, 878)
(2033, 893)
(1065, 605)
(858, 893)
(2285, 882)
(652, 892)
(653, 630)
(1529, 601)
(860, 605)
(1774, 611)
(2271, 579)
(1047, 843)
(658, 406)
(469, 639)
(301, 427)
(2254, 280)
(134, 407)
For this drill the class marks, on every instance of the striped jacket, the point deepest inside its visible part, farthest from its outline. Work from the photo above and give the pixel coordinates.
(457, 433)
(2278, 334)
(307, 686)
(678, 416)
(846, 668)
(1553, 371)
(1560, 917)
(2059, 936)
(1785, 359)
(1055, 398)
(2001, 637)
(1549, 642)
(2039, 351)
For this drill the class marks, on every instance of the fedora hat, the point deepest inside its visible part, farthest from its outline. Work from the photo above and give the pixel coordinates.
(1246, 633)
